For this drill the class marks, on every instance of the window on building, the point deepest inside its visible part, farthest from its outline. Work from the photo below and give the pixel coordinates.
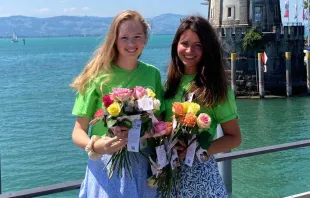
(258, 13)
(276, 11)
(229, 12)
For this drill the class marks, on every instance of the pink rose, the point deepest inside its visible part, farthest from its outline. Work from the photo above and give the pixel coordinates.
(139, 92)
(159, 128)
(99, 114)
(122, 94)
(203, 121)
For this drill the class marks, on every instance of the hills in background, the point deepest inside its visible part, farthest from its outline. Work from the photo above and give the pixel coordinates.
(59, 26)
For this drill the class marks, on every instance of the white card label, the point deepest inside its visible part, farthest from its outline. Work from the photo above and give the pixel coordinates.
(172, 144)
(190, 153)
(161, 156)
(154, 171)
(190, 97)
(202, 155)
(174, 123)
(134, 136)
(175, 162)
(145, 104)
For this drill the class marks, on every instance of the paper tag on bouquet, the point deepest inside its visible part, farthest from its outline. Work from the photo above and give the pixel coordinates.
(174, 123)
(168, 151)
(172, 144)
(145, 104)
(190, 153)
(202, 155)
(190, 97)
(154, 171)
(161, 156)
(134, 136)
(175, 162)
(153, 165)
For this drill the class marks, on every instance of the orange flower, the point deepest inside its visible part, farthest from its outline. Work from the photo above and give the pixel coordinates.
(169, 128)
(181, 119)
(190, 119)
(177, 108)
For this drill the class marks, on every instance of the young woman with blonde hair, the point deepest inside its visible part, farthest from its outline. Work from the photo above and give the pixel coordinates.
(114, 65)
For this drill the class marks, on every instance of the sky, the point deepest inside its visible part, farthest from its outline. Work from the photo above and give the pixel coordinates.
(105, 8)
(109, 8)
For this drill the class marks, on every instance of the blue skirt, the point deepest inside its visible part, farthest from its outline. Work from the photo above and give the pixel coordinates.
(200, 180)
(98, 184)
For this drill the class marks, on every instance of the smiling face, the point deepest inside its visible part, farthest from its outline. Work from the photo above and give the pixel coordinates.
(189, 51)
(131, 39)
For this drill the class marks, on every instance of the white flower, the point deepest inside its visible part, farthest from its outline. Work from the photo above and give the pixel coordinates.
(156, 104)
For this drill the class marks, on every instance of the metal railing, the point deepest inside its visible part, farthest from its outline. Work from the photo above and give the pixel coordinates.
(73, 185)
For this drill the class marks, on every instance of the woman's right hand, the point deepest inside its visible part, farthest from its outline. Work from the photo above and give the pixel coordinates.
(108, 145)
(181, 148)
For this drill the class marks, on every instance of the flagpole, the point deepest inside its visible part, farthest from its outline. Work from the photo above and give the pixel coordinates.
(308, 24)
(297, 12)
(288, 18)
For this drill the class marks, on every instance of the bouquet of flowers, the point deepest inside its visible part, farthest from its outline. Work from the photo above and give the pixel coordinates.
(134, 109)
(187, 129)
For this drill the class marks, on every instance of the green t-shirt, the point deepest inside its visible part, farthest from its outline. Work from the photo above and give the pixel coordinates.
(219, 114)
(145, 75)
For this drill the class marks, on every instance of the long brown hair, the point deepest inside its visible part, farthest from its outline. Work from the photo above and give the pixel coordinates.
(100, 63)
(210, 83)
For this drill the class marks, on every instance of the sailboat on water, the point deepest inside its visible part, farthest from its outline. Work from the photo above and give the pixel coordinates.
(14, 38)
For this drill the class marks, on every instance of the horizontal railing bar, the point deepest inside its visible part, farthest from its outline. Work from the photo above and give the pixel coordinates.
(301, 195)
(259, 151)
(46, 190)
(57, 188)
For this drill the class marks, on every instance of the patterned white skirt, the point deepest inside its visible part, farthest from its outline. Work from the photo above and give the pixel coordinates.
(200, 180)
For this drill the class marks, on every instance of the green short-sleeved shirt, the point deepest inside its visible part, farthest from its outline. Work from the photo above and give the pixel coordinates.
(87, 104)
(219, 114)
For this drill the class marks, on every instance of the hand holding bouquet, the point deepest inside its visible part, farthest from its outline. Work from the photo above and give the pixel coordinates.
(131, 108)
(187, 126)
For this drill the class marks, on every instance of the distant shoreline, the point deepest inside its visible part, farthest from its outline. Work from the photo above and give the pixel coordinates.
(77, 36)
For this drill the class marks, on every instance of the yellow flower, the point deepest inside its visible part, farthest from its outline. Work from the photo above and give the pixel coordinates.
(114, 109)
(193, 108)
(185, 106)
(150, 93)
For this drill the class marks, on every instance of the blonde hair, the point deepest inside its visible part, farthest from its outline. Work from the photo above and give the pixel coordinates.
(102, 58)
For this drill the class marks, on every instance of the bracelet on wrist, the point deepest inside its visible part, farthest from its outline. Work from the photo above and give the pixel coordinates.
(89, 148)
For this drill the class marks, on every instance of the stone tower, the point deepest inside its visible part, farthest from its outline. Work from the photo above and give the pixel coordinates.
(224, 13)
(233, 19)
(261, 13)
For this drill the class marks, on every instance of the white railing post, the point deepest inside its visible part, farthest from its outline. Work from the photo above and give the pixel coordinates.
(225, 167)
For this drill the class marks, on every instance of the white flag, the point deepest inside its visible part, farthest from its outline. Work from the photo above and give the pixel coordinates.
(305, 14)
